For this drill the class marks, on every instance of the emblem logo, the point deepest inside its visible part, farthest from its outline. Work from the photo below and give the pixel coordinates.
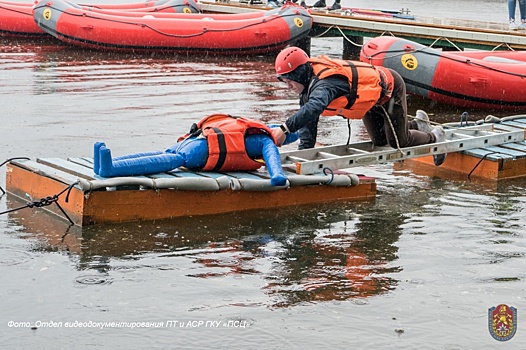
(47, 14)
(502, 322)
(409, 61)
(298, 22)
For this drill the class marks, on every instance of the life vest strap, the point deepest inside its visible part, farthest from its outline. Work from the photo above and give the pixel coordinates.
(353, 95)
(387, 84)
(216, 139)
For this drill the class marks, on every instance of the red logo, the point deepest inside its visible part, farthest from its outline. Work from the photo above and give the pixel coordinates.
(502, 322)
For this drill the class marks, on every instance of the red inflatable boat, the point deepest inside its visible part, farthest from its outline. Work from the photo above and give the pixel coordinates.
(218, 34)
(168, 6)
(475, 79)
(16, 19)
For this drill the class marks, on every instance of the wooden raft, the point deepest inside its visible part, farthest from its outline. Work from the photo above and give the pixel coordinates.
(45, 177)
(506, 161)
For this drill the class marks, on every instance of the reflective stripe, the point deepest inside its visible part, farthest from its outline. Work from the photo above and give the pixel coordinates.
(387, 85)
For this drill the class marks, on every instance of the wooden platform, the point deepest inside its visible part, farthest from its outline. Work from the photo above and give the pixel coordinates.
(96, 200)
(449, 33)
(506, 161)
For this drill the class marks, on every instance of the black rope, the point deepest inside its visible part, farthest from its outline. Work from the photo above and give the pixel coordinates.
(467, 60)
(7, 161)
(480, 161)
(349, 130)
(43, 202)
(464, 117)
(66, 233)
(328, 170)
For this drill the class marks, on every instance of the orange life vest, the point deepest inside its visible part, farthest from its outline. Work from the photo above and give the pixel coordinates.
(226, 141)
(370, 85)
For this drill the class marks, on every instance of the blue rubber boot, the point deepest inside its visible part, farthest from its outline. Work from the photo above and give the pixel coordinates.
(96, 162)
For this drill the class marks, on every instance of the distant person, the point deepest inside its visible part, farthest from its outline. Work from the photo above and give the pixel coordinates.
(338, 6)
(274, 3)
(353, 90)
(512, 4)
(321, 3)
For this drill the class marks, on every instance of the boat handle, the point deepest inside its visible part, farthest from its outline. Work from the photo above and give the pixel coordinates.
(478, 81)
(87, 27)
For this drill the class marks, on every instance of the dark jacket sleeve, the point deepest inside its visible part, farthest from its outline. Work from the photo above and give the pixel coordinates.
(320, 96)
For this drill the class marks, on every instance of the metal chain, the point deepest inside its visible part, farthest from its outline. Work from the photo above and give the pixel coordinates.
(43, 202)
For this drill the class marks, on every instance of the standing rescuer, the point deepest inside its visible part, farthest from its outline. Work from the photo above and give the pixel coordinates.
(353, 90)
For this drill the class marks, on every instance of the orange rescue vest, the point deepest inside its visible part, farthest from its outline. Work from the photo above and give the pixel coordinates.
(226, 141)
(369, 85)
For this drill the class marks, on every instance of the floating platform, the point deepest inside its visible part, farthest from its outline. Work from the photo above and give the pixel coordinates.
(505, 161)
(70, 189)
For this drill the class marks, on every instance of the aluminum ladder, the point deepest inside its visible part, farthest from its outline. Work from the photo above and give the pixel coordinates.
(315, 160)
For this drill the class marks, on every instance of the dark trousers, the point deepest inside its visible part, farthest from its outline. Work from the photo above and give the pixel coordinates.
(380, 130)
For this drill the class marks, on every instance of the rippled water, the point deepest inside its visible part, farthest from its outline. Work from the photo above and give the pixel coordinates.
(417, 268)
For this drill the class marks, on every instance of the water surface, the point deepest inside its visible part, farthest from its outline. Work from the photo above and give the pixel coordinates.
(416, 268)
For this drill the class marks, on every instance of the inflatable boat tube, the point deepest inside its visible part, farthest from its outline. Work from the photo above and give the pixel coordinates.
(473, 79)
(176, 183)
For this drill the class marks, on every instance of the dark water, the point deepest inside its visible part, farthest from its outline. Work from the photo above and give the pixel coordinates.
(417, 268)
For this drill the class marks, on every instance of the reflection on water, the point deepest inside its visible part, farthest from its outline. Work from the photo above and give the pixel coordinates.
(314, 254)
(332, 252)
(161, 83)
(346, 260)
(419, 266)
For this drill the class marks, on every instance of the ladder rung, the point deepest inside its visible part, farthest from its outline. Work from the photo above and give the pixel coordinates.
(296, 159)
(461, 135)
(326, 155)
(465, 135)
(357, 150)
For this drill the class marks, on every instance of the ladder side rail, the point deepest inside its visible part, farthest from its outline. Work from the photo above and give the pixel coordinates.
(448, 146)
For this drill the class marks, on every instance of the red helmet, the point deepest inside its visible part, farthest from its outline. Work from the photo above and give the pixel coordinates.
(289, 59)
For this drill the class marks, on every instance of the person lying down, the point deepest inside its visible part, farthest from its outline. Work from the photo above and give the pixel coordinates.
(218, 142)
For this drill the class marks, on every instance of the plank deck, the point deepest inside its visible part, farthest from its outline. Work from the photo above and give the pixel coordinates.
(46, 177)
(505, 161)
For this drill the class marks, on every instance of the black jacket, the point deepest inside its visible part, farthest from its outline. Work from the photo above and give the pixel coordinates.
(315, 98)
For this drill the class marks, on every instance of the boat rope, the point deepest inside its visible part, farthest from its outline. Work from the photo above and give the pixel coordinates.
(45, 201)
(397, 53)
(480, 161)
(446, 39)
(341, 32)
(15, 10)
(264, 19)
(462, 120)
(7, 161)
(503, 44)
(391, 102)
(349, 130)
(328, 170)
(430, 121)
